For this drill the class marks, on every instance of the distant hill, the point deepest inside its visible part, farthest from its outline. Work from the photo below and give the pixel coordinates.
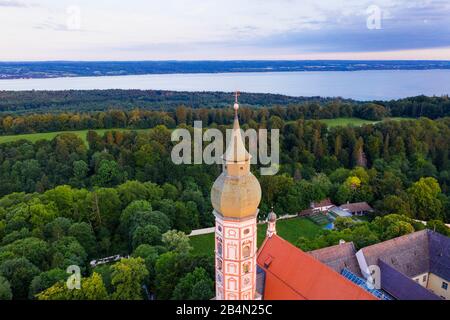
(53, 69)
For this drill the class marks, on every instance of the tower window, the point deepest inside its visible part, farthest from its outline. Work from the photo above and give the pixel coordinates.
(232, 284)
(219, 249)
(246, 249)
(444, 285)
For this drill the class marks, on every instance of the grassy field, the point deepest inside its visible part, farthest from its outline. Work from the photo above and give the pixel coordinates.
(346, 122)
(289, 229)
(33, 137)
(356, 121)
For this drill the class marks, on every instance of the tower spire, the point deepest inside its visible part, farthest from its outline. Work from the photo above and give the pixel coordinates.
(235, 196)
(236, 104)
(236, 151)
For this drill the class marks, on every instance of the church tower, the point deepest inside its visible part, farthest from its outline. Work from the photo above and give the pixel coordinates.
(235, 197)
(271, 224)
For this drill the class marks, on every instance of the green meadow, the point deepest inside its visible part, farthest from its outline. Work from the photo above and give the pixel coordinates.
(289, 229)
(33, 137)
(356, 122)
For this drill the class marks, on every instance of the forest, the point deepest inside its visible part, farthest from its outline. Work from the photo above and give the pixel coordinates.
(92, 103)
(66, 201)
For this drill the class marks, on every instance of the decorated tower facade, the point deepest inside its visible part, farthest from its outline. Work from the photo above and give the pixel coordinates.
(235, 197)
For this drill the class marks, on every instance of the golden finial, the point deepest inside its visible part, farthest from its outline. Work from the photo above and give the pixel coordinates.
(236, 104)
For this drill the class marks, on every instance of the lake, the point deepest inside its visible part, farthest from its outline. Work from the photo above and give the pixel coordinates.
(359, 85)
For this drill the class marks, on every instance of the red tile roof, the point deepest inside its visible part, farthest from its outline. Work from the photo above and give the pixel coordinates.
(292, 274)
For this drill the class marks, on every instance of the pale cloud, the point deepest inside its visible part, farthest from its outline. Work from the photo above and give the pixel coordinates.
(217, 29)
(12, 3)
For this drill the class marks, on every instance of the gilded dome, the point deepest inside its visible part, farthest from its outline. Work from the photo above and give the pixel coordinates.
(236, 197)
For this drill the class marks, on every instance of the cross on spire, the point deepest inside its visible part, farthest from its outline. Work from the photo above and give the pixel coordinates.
(236, 95)
(236, 105)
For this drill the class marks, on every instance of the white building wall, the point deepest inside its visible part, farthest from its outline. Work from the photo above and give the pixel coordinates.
(362, 264)
(235, 254)
(435, 284)
(422, 279)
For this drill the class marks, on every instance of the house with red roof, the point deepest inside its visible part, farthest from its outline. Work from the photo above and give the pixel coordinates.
(291, 274)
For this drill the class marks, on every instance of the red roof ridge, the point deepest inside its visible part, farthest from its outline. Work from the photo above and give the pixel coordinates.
(285, 278)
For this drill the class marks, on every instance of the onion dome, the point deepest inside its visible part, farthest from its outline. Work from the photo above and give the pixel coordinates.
(236, 193)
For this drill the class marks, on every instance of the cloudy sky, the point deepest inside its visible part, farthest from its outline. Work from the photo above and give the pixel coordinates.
(225, 29)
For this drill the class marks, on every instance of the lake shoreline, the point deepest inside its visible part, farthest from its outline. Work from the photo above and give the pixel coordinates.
(360, 85)
(57, 69)
(212, 72)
